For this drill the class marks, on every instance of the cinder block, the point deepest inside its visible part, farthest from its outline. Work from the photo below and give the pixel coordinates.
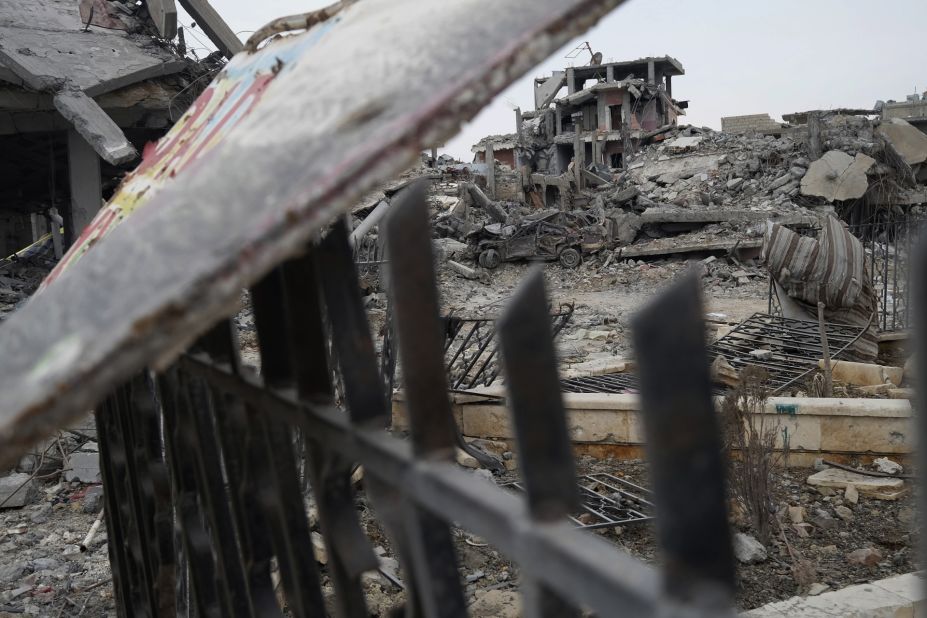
(910, 586)
(83, 467)
(17, 490)
(855, 434)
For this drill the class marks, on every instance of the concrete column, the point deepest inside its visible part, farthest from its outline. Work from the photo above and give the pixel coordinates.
(39, 228)
(490, 171)
(669, 86)
(372, 220)
(559, 120)
(609, 74)
(651, 73)
(603, 114)
(571, 80)
(579, 150)
(85, 184)
(815, 150)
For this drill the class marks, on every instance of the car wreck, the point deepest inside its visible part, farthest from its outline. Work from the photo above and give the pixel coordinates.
(545, 236)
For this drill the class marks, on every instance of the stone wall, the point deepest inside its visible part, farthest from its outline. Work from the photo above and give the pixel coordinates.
(761, 123)
(611, 425)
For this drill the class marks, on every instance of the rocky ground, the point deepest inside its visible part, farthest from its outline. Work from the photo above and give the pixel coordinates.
(43, 572)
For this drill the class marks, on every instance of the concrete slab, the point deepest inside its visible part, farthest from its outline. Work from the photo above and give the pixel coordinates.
(839, 479)
(95, 126)
(16, 490)
(862, 434)
(597, 367)
(839, 406)
(95, 65)
(684, 143)
(84, 467)
(682, 167)
(219, 32)
(906, 139)
(862, 601)
(910, 586)
(837, 176)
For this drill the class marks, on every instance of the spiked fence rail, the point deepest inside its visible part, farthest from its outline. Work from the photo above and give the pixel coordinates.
(224, 466)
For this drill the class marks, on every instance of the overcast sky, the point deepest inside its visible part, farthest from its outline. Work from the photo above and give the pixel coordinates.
(740, 56)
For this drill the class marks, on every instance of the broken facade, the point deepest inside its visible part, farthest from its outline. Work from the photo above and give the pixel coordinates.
(84, 86)
(567, 141)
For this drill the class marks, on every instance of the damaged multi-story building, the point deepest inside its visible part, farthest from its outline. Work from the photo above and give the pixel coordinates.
(607, 110)
(84, 86)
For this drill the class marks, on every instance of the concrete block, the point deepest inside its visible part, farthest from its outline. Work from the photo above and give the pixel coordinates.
(859, 434)
(878, 408)
(597, 367)
(804, 432)
(14, 496)
(906, 139)
(487, 421)
(401, 419)
(600, 426)
(910, 586)
(83, 467)
(862, 601)
(636, 433)
(814, 426)
(865, 374)
(837, 176)
(839, 479)
(601, 401)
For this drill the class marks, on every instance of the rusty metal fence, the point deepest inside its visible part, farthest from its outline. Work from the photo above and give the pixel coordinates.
(209, 445)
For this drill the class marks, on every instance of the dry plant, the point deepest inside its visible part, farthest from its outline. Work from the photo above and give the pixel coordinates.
(803, 572)
(753, 435)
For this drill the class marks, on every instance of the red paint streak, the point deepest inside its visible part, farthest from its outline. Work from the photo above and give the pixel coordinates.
(101, 224)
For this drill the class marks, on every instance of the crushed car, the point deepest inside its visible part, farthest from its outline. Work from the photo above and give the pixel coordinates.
(545, 236)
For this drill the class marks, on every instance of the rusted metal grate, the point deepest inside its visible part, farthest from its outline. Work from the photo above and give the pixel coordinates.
(607, 501)
(471, 349)
(610, 383)
(789, 349)
(789, 352)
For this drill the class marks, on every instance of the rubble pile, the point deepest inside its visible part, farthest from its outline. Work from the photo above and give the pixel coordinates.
(22, 273)
(740, 181)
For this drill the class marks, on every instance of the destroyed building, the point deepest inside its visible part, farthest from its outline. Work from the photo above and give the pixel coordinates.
(84, 85)
(912, 110)
(587, 118)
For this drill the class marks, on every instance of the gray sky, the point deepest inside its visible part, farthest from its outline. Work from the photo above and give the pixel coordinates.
(740, 56)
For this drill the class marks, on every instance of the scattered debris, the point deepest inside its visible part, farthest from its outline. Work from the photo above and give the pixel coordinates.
(867, 486)
(748, 550)
(867, 556)
(837, 176)
(887, 466)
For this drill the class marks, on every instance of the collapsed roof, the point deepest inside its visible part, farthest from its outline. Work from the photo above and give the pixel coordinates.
(75, 51)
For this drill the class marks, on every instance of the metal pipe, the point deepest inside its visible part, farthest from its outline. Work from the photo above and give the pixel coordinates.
(369, 222)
